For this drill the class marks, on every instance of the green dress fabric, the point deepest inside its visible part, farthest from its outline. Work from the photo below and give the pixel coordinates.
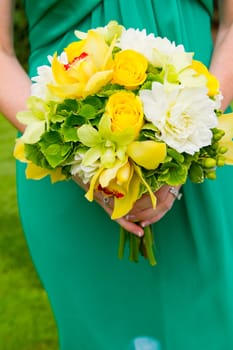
(100, 302)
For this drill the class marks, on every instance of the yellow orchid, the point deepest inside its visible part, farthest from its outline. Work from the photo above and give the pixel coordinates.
(123, 182)
(212, 82)
(89, 68)
(148, 154)
(114, 181)
(225, 122)
(123, 205)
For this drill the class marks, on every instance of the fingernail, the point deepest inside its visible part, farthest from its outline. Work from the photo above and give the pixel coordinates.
(144, 223)
(139, 233)
(130, 217)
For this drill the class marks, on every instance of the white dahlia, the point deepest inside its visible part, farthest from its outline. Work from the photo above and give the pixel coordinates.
(183, 116)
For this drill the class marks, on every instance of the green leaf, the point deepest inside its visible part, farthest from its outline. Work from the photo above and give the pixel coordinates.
(94, 101)
(87, 111)
(55, 153)
(174, 175)
(109, 89)
(51, 137)
(69, 105)
(196, 173)
(178, 157)
(74, 120)
(69, 134)
(34, 154)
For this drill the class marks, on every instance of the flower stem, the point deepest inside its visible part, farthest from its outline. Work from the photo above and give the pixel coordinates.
(134, 247)
(137, 244)
(122, 242)
(148, 245)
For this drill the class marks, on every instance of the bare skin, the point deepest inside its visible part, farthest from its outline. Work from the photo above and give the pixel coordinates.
(15, 88)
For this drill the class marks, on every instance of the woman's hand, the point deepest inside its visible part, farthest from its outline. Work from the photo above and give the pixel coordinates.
(108, 207)
(142, 213)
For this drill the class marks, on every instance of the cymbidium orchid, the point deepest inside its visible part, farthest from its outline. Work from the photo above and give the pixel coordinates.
(88, 69)
(36, 118)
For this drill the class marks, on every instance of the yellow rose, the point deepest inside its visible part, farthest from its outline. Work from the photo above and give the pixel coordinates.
(126, 111)
(129, 69)
(212, 82)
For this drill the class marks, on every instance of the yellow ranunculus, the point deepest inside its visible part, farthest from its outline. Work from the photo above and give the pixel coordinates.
(126, 111)
(89, 68)
(212, 82)
(129, 69)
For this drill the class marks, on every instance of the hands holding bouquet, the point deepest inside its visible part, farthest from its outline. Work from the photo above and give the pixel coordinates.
(127, 115)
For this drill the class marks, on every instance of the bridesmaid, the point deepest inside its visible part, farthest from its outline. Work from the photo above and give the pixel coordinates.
(99, 302)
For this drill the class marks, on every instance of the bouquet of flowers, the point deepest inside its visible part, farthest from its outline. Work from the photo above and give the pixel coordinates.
(127, 113)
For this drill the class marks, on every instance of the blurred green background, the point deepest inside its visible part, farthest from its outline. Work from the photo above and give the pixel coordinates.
(26, 320)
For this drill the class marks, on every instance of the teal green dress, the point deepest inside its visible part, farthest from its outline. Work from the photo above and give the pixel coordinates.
(100, 302)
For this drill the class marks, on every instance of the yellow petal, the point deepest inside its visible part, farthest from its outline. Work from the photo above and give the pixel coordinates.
(60, 74)
(97, 81)
(74, 49)
(67, 90)
(212, 82)
(152, 195)
(96, 47)
(19, 151)
(56, 175)
(90, 193)
(225, 122)
(35, 172)
(123, 205)
(148, 154)
(229, 153)
(109, 174)
(118, 181)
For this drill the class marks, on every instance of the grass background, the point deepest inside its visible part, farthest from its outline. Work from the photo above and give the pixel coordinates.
(26, 320)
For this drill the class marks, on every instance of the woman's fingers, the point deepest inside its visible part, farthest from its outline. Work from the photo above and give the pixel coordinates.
(107, 204)
(142, 214)
(143, 211)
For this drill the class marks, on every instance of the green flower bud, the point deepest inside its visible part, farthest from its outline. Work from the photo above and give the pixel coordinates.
(217, 135)
(209, 162)
(222, 149)
(211, 175)
(221, 161)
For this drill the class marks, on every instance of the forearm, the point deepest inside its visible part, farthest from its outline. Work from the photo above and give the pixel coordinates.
(221, 65)
(14, 88)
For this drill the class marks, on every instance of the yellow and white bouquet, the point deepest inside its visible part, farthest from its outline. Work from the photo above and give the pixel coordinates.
(127, 112)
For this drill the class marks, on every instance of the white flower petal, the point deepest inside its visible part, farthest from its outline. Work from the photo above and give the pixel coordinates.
(184, 116)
